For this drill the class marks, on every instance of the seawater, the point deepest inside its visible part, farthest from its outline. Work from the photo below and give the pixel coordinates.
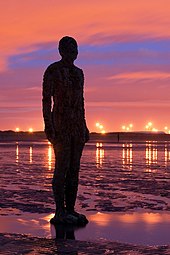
(124, 190)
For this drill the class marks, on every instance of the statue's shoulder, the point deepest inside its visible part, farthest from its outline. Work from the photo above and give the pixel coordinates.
(79, 71)
(52, 68)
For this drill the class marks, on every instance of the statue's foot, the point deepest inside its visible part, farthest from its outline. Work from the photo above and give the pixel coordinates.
(81, 218)
(67, 220)
(63, 217)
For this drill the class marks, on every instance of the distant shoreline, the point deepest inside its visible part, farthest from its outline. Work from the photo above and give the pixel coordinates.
(94, 137)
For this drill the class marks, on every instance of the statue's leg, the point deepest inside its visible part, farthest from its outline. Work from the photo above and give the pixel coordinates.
(62, 163)
(72, 176)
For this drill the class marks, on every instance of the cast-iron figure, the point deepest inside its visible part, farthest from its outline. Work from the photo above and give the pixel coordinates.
(65, 128)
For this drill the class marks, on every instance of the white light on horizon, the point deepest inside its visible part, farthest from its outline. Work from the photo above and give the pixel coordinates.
(101, 127)
(30, 130)
(154, 129)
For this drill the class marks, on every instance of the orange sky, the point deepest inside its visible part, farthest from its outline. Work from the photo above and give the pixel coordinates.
(123, 50)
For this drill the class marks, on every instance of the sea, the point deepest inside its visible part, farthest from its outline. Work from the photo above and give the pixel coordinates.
(124, 190)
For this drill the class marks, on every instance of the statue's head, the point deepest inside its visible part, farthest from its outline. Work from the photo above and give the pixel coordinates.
(68, 48)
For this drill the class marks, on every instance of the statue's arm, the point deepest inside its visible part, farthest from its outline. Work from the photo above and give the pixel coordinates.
(47, 104)
(83, 107)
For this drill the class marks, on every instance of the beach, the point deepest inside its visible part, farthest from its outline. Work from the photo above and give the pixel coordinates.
(124, 190)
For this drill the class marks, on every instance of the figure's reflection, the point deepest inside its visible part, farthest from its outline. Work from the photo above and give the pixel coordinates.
(65, 232)
(30, 154)
(99, 154)
(17, 152)
(127, 156)
(151, 154)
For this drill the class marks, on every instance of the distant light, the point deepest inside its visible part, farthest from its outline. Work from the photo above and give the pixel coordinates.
(166, 128)
(154, 130)
(17, 129)
(30, 130)
(97, 124)
(130, 125)
(123, 127)
(149, 124)
(103, 132)
(101, 126)
(127, 128)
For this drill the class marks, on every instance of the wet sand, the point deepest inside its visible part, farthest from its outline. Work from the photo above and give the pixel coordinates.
(112, 189)
(22, 244)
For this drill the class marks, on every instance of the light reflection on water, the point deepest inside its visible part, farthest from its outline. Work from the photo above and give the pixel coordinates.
(17, 153)
(49, 156)
(99, 155)
(127, 156)
(149, 157)
(167, 154)
(31, 148)
(153, 153)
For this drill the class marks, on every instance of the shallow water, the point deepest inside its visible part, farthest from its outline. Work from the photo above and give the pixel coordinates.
(124, 190)
(134, 228)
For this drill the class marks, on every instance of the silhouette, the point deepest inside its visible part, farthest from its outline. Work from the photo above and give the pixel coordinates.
(65, 128)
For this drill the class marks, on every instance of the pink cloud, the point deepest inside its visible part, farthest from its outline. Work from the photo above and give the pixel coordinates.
(152, 75)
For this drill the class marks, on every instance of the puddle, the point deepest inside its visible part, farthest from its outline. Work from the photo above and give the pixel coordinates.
(134, 228)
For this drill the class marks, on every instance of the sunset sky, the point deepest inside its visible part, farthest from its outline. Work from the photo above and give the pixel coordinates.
(124, 51)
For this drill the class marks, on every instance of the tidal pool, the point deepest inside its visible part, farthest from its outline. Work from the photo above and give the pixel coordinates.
(134, 228)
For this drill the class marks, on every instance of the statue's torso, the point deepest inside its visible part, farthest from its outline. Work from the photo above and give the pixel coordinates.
(67, 92)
